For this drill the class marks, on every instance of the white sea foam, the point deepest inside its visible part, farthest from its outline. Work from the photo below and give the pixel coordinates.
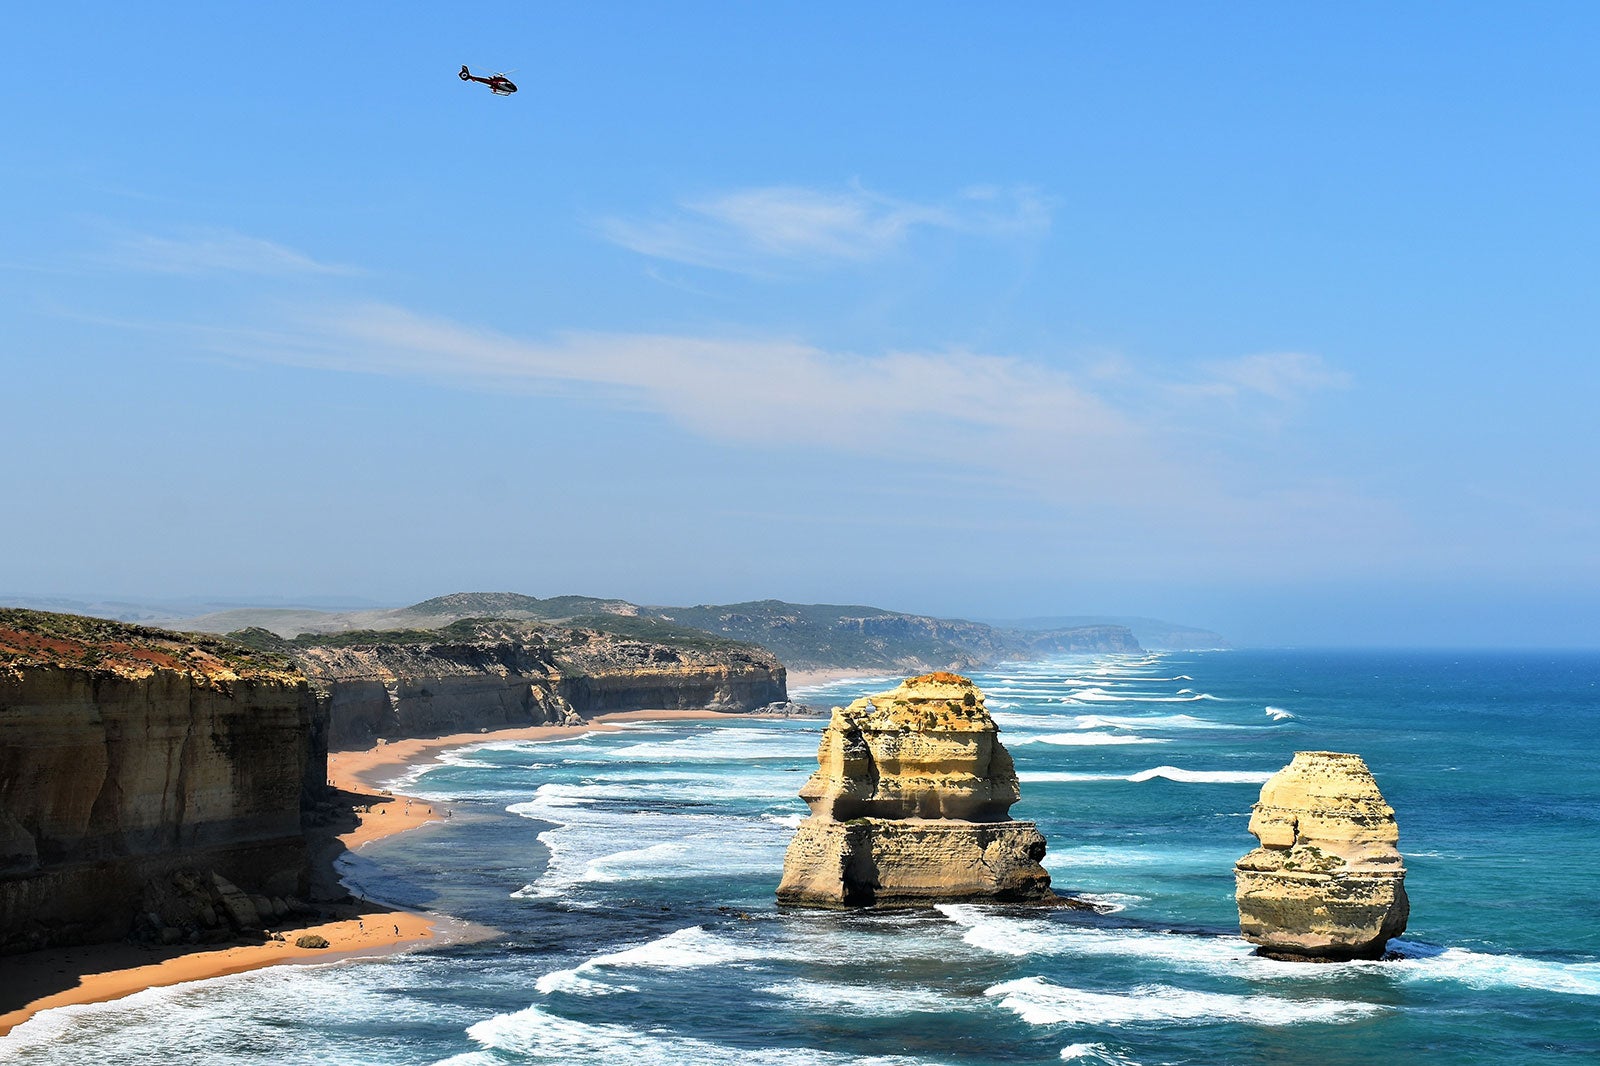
(1021, 937)
(1037, 1001)
(1233, 956)
(573, 983)
(1087, 740)
(1100, 695)
(598, 839)
(1278, 714)
(1110, 902)
(788, 821)
(235, 1020)
(671, 788)
(1154, 721)
(688, 948)
(722, 745)
(1222, 777)
(541, 1035)
(875, 1000)
(1481, 970)
(1166, 773)
(1095, 1053)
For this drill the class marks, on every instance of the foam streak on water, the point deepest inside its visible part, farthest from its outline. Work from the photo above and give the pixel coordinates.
(1039, 1002)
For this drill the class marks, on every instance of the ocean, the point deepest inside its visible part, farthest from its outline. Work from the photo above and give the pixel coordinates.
(632, 875)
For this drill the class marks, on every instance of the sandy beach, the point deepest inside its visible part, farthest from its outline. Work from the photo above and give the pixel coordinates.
(93, 974)
(60, 977)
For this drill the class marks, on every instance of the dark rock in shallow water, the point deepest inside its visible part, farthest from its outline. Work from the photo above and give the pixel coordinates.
(788, 709)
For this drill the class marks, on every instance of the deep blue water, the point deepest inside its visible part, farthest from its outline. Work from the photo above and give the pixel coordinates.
(632, 875)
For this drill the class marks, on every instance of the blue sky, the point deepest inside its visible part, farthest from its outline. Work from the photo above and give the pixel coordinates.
(1269, 318)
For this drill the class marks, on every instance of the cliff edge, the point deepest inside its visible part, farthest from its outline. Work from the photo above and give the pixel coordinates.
(479, 673)
(146, 772)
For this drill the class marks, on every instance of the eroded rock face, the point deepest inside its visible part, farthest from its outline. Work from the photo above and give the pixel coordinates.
(910, 805)
(1328, 881)
(129, 754)
(495, 675)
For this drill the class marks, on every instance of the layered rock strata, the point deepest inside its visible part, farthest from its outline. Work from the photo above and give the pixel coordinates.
(129, 758)
(910, 806)
(485, 674)
(1327, 882)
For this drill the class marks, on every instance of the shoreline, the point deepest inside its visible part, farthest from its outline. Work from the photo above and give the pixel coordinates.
(354, 927)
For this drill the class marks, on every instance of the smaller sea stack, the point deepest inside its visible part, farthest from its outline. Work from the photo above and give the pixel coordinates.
(910, 806)
(1327, 882)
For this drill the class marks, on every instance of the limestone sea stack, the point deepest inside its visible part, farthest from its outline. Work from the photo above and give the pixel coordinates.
(1327, 882)
(910, 806)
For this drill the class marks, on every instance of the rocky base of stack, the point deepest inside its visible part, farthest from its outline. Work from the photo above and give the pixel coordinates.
(1328, 881)
(913, 862)
(1294, 911)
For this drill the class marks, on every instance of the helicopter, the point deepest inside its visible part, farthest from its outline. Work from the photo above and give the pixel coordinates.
(498, 84)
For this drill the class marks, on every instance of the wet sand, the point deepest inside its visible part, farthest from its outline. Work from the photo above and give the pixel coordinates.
(60, 977)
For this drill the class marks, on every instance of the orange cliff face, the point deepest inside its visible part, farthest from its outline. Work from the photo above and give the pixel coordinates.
(130, 757)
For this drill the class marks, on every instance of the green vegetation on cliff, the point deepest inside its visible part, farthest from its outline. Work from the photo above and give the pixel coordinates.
(497, 630)
(44, 638)
(804, 636)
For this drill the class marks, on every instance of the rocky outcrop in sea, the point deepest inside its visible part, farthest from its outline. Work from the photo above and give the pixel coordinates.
(910, 806)
(1327, 882)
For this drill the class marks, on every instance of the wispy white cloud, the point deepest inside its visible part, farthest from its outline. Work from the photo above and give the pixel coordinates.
(761, 229)
(1131, 442)
(213, 251)
(1279, 375)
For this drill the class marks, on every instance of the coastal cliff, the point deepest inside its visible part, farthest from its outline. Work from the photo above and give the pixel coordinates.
(910, 806)
(493, 674)
(131, 758)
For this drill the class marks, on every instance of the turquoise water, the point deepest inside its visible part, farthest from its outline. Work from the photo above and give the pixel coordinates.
(632, 874)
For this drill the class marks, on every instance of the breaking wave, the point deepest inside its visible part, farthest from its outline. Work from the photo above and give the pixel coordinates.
(544, 1036)
(1039, 1002)
(1087, 740)
(1233, 956)
(1166, 773)
(1095, 1053)
(1095, 694)
(867, 1000)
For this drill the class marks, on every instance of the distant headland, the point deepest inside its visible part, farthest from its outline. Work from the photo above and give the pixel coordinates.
(805, 637)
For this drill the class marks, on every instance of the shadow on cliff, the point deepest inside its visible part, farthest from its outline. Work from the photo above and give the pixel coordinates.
(333, 817)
